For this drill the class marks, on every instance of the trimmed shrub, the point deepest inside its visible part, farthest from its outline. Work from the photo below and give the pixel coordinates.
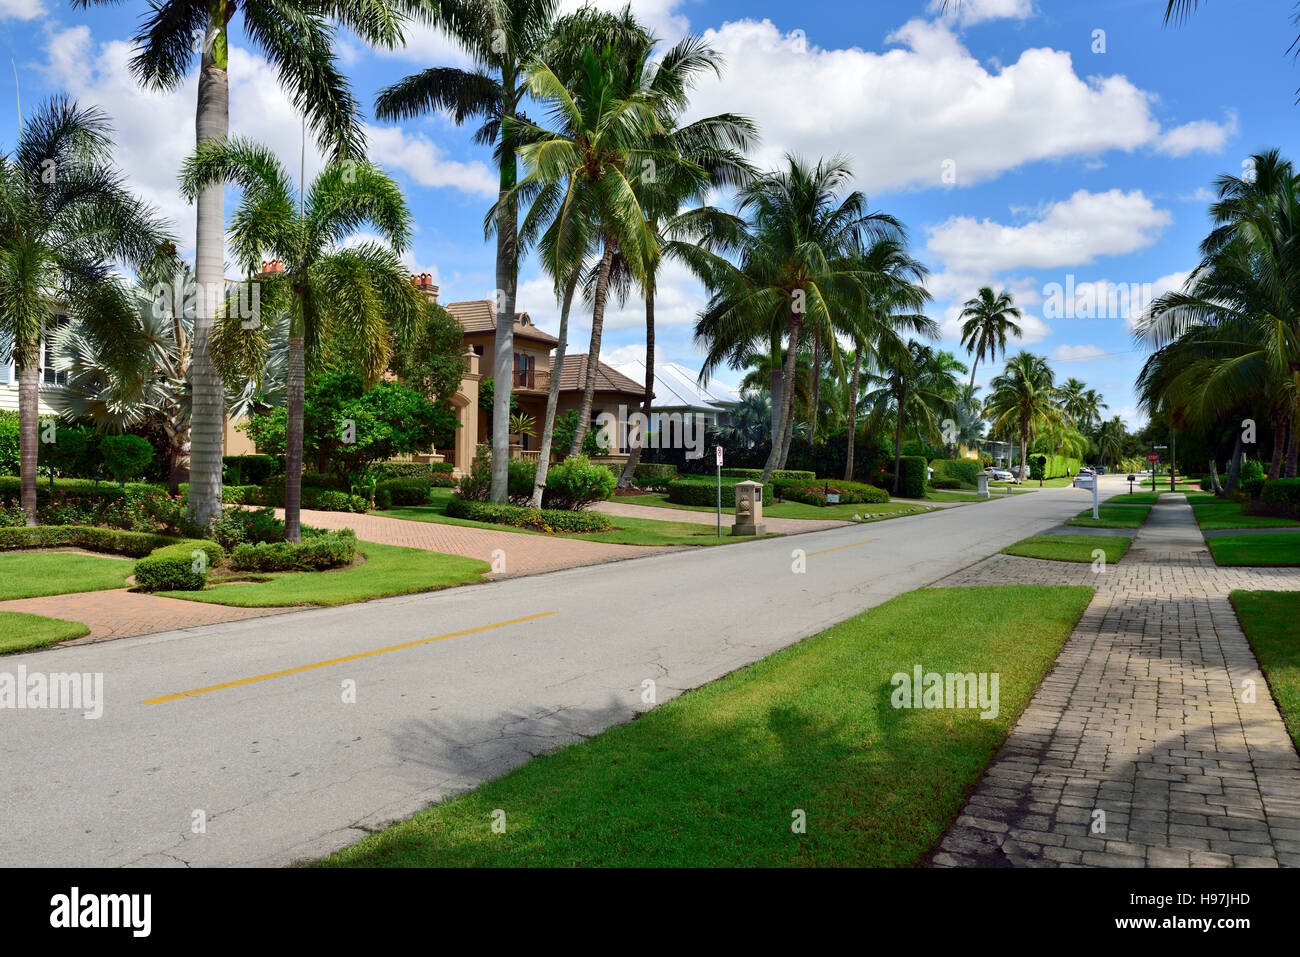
(913, 470)
(320, 499)
(239, 525)
(1253, 488)
(755, 475)
(653, 474)
(944, 483)
(339, 483)
(965, 471)
(414, 469)
(402, 491)
(178, 567)
(815, 493)
(249, 469)
(542, 520)
(316, 553)
(701, 490)
(476, 484)
(1278, 497)
(111, 540)
(1038, 467)
(577, 483)
(125, 456)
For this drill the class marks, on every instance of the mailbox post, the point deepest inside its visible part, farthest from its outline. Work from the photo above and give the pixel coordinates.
(982, 478)
(749, 509)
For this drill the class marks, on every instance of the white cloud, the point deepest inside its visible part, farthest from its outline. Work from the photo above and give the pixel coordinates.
(1173, 282)
(967, 12)
(1066, 233)
(1198, 195)
(1032, 327)
(21, 9)
(1204, 136)
(426, 162)
(913, 108)
(1078, 353)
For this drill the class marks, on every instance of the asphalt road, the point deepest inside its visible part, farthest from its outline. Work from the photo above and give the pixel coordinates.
(282, 769)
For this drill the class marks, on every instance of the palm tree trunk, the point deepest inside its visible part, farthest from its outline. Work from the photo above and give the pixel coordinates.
(1280, 424)
(1292, 452)
(504, 354)
(853, 412)
(898, 438)
(295, 384)
(1024, 444)
(593, 352)
(634, 456)
(777, 391)
(970, 390)
(207, 416)
(29, 413)
(553, 398)
(816, 390)
(787, 398)
(1234, 467)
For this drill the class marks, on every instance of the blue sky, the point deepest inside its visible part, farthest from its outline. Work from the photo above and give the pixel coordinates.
(1022, 147)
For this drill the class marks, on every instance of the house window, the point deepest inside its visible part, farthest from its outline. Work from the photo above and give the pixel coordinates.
(478, 350)
(49, 377)
(523, 377)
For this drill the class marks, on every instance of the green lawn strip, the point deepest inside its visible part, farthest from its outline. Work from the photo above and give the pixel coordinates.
(1280, 549)
(387, 570)
(1211, 517)
(1112, 516)
(20, 631)
(943, 495)
(1070, 548)
(1268, 618)
(28, 574)
(843, 513)
(1208, 498)
(713, 777)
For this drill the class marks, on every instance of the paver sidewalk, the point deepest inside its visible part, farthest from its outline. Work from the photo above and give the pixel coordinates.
(1143, 746)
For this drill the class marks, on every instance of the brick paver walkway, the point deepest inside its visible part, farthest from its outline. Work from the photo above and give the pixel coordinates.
(524, 554)
(1144, 719)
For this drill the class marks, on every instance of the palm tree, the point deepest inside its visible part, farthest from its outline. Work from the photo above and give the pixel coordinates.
(989, 318)
(916, 385)
(65, 217)
(1024, 400)
(1110, 439)
(504, 37)
(298, 39)
(798, 274)
(352, 299)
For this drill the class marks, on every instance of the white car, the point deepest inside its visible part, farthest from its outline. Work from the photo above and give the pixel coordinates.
(1000, 475)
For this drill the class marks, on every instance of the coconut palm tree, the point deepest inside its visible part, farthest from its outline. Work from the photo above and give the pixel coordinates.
(915, 385)
(298, 39)
(988, 319)
(1024, 400)
(65, 219)
(351, 299)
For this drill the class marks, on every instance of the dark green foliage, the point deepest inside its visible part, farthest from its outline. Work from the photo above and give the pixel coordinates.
(755, 475)
(701, 490)
(815, 493)
(518, 516)
(577, 483)
(316, 553)
(115, 541)
(125, 456)
(9, 460)
(402, 491)
(1038, 467)
(250, 469)
(432, 363)
(964, 471)
(653, 474)
(562, 436)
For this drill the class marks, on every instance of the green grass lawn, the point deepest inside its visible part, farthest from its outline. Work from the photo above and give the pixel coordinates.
(1208, 498)
(1070, 548)
(1139, 497)
(1112, 516)
(1211, 517)
(712, 778)
(22, 632)
(29, 574)
(387, 570)
(843, 513)
(1280, 549)
(1268, 618)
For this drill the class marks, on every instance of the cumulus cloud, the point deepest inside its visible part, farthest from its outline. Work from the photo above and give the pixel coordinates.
(1204, 136)
(425, 162)
(21, 9)
(1078, 353)
(969, 12)
(1066, 233)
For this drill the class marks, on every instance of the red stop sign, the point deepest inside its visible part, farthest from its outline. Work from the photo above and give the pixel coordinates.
(1153, 457)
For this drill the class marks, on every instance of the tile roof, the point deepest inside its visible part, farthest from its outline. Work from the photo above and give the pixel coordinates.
(573, 377)
(480, 315)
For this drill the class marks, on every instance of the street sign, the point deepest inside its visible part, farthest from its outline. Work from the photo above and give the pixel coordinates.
(1153, 457)
(718, 450)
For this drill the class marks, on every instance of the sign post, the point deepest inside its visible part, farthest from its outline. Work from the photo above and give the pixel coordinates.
(1095, 483)
(718, 451)
(1153, 458)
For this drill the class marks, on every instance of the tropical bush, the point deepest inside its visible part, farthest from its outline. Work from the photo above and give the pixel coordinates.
(9, 459)
(653, 474)
(476, 484)
(250, 469)
(239, 525)
(965, 471)
(913, 471)
(815, 493)
(140, 508)
(577, 483)
(755, 475)
(701, 490)
(566, 426)
(125, 456)
(539, 519)
(1278, 497)
(316, 553)
(402, 491)
(173, 568)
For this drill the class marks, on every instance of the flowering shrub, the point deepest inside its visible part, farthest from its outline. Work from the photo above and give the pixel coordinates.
(237, 526)
(815, 494)
(316, 553)
(539, 519)
(137, 509)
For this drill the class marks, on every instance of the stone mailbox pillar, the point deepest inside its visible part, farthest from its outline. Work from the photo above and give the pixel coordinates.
(749, 509)
(983, 479)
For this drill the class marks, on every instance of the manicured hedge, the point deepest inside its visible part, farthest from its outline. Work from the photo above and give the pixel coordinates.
(654, 473)
(320, 499)
(316, 553)
(702, 490)
(913, 469)
(1278, 497)
(519, 516)
(814, 493)
(249, 469)
(964, 471)
(755, 475)
(132, 544)
(402, 491)
(415, 469)
(173, 568)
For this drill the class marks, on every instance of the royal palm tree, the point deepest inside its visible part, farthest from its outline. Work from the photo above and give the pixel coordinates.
(65, 220)
(988, 319)
(1024, 400)
(298, 39)
(352, 300)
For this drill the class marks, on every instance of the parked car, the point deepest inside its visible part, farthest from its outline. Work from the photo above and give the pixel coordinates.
(1000, 475)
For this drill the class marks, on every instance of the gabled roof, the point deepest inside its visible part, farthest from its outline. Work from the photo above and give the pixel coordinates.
(676, 387)
(573, 377)
(480, 315)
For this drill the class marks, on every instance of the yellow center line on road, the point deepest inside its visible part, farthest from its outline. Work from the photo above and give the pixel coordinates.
(839, 549)
(951, 520)
(335, 661)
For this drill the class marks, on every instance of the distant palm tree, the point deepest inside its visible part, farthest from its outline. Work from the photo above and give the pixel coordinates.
(989, 319)
(352, 300)
(298, 39)
(1024, 400)
(65, 218)
(915, 386)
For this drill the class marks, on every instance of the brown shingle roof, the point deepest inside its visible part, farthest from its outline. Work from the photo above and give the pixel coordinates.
(480, 315)
(573, 377)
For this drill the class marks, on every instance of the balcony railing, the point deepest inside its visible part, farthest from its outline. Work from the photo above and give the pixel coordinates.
(531, 379)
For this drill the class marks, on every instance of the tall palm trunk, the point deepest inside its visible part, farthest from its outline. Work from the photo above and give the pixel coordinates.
(1234, 467)
(1024, 448)
(853, 413)
(1280, 423)
(593, 352)
(786, 438)
(898, 439)
(29, 412)
(295, 385)
(970, 390)
(787, 397)
(634, 457)
(553, 397)
(504, 353)
(1292, 452)
(207, 417)
(816, 390)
